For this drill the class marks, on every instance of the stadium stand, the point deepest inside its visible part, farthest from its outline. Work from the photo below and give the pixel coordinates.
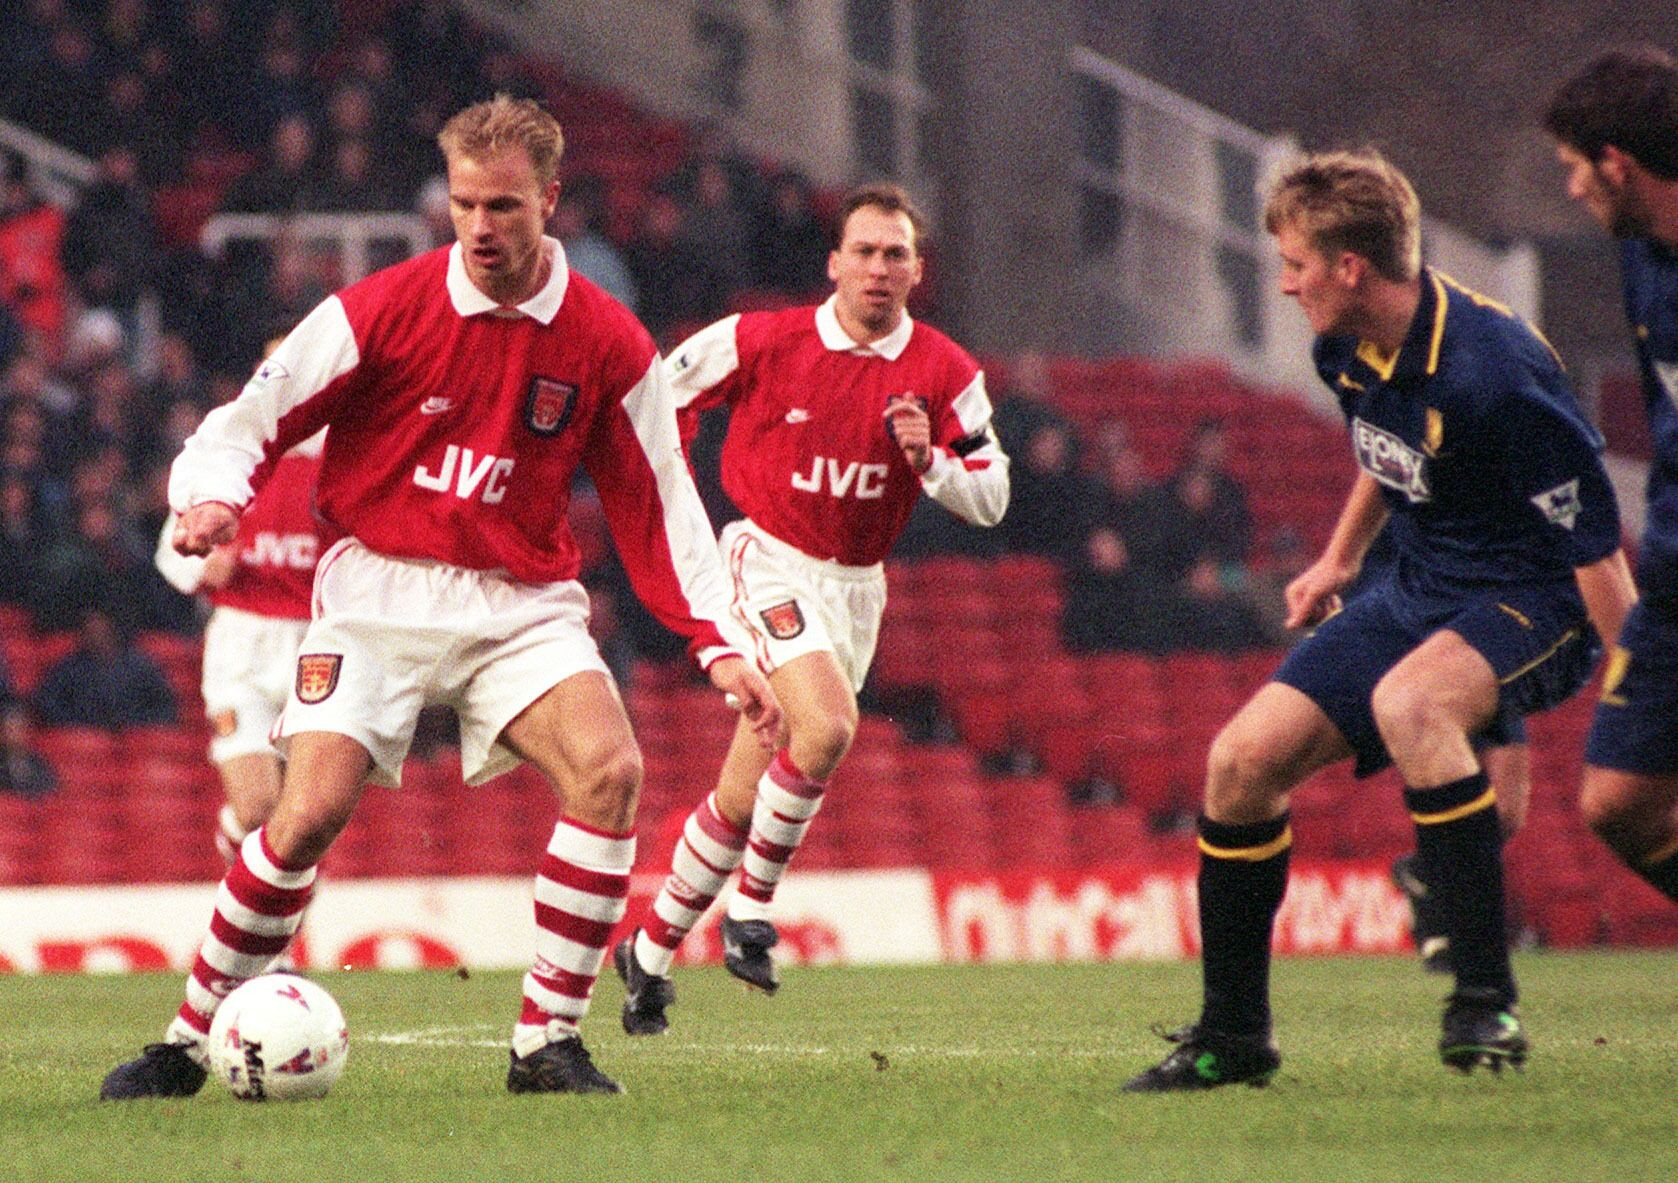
(979, 637)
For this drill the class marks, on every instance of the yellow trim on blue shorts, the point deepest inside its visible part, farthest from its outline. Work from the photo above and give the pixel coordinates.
(1569, 635)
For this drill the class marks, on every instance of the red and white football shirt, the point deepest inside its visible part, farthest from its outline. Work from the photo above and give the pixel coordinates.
(808, 456)
(279, 541)
(457, 427)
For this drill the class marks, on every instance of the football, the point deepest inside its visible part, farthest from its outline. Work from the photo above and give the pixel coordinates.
(278, 1037)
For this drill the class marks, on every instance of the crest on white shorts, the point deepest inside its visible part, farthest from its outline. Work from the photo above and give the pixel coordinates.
(549, 405)
(317, 676)
(784, 621)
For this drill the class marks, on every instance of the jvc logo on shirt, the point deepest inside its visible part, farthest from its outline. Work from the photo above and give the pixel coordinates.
(467, 475)
(1390, 460)
(268, 549)
(869, 480)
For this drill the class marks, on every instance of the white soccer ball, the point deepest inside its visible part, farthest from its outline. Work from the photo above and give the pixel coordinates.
(278, 1037)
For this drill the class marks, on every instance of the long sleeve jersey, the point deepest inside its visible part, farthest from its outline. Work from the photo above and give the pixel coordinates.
(457, 427)
(809, 456)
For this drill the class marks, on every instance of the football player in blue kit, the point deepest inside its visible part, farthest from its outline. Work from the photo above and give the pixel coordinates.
(1615, 122)
(1476, 458)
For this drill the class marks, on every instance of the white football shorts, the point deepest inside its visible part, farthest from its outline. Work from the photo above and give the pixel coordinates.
(393, 635)
(249, 661)
(789, 603)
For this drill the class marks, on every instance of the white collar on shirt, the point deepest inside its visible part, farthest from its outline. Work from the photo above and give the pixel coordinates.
(890, 346)
(543, 306)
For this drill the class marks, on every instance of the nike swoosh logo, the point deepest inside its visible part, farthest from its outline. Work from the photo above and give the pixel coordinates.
(436, 406)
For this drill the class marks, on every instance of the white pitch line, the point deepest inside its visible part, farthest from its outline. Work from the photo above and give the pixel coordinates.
(469, 1037)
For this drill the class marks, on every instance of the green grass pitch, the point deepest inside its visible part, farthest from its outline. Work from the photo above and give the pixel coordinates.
(994, 1073)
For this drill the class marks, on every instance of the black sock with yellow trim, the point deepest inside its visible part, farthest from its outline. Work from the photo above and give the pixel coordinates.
(1243, 873)
(1461, 847)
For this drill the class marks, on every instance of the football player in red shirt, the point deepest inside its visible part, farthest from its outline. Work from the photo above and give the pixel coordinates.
(841, 416)
(462, 389)
(258, 587)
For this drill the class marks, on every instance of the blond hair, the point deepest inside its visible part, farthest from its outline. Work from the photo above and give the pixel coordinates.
(486, 128)
(1352, 201)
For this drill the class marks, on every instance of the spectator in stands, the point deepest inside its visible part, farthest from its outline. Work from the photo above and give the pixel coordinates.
(350, 183)
(1215, 501)
(209, 76)
(125, 29)
(1050, 496)
(407, 153)
(674, 276)
(437, 51)
(24, 772)
(110, 241)
(281, 86)
(54, 94)
(136, 116)
(578, 225)
(853, 451)
(176, 377)
(716, 225)
(1150, 519)
(1123, 582)
(350, 114)
(25, 534)
(1219, 618)
(789, 240)
(1114, 602)
(36, 441)
(1025, 401)
(104, 565)
(713, 145)
(32, 280)
(287, 180)
(1508, 559)
(104, 681)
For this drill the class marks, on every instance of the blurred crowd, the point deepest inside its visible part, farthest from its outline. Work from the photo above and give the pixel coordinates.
(1150, 564)
(117, 332)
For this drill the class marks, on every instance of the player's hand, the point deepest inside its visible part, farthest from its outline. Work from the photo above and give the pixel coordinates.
(218, 566)
(748, 692)
(204, 527)
(911, 428)
(1314, 594)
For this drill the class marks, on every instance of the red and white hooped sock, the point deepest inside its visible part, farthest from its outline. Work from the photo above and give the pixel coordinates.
(787, 801)
(710, 848)
(258, 907)
(582, 888)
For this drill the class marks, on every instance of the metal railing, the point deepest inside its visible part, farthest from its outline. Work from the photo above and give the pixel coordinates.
(354, 236)
(56, 173)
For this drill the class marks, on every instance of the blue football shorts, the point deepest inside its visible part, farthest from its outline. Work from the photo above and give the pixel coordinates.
(1636, 723)
(1535, 637)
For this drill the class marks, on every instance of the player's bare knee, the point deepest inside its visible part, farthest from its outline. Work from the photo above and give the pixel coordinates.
(1243, 774)
(819, 744)
(1405, 712)
(612, 786)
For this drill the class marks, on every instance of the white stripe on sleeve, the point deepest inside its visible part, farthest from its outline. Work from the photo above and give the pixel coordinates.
(219, 458)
